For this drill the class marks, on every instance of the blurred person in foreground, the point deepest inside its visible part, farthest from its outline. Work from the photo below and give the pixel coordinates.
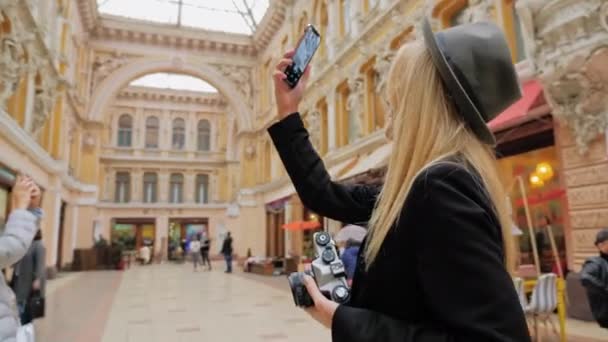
(349, 257)
(436, 260)
(19, 231)
(29, 276)
(594, 277)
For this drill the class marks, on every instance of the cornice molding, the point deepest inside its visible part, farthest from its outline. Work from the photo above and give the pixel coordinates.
(88, 14)
(177, 96)
(118, 29)
(161, 205)
(271, 23)
(11, 131)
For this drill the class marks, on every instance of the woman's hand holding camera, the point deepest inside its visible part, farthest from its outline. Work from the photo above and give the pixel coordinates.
(21, 196)
(287, 98)
(324, 309)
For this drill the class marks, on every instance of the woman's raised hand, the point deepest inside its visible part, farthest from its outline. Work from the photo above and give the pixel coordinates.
(288, 99)
(21, 196)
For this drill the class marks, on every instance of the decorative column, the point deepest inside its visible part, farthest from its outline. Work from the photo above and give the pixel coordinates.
(189, 184)
(29, 101)
(333, 28)
(137, 185)
(139, 124)
(163, 186)
(569, 45)
(332, 122)
(356, 16)
(108, 180)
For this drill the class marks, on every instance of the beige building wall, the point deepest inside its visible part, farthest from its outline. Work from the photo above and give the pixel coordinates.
(59, 116)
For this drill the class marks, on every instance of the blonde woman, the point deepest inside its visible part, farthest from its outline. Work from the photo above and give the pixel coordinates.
(434, 265)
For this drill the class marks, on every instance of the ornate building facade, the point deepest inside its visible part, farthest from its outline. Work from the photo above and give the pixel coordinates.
(109, 153)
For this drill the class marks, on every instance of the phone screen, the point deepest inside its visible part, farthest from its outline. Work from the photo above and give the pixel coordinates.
(304, 52)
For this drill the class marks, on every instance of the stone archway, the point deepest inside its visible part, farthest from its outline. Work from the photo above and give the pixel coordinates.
(107, 89)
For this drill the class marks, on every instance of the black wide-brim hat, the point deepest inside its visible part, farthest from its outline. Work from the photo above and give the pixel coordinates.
(475, 65)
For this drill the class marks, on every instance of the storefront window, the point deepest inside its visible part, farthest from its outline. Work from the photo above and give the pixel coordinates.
(124, 235)
(537, 170)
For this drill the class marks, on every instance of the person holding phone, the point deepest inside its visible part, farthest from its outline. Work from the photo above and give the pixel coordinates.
(19, 231)
(434, 264)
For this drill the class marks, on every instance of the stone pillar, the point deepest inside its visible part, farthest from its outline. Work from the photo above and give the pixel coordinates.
(332, 122)
(162, 233)
(165, 130)
(108, 186)
(137, 185)
(29, 101)
(189, 185)
(568, 41)
(356, 17)
(333, 28)
(139, 124)
(163, 186)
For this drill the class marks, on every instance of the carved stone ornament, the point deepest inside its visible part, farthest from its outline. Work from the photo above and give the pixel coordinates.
(604, 16)
(12, 59)
(241, 78)
(249, 152)
(527, 11)
(477, 10)
(104, 65)
(383, 64)
(354, 107)
(570, 53)
(88, 140)
(580, 98)
(44, 99)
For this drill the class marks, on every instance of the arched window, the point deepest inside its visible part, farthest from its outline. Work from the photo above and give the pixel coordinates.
(176, 188)
(123, 187)
(179, 134)
(150, 187)
(204, 135)
(202, 188)
(152, 132)
(125, 130)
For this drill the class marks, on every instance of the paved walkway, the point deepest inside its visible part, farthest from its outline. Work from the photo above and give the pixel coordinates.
(172, 303)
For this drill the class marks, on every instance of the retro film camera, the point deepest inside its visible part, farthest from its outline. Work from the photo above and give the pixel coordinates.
(326, 269)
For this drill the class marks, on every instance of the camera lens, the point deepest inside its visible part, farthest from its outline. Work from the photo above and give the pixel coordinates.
(328, 255)
(300, 296)
(322, 238)
(340, 294)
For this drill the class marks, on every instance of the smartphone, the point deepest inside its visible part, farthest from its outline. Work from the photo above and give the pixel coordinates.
(307, 46)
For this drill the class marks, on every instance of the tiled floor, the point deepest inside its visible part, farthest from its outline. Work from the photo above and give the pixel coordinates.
(171, 303)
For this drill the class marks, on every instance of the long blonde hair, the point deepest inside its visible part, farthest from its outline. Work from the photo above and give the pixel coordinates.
(426, 129)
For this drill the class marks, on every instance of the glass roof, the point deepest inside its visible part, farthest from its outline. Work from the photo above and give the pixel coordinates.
(174, 81)
(234, 16)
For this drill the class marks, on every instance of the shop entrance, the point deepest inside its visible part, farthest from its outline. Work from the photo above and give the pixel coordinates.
(275, 235)
(528, 155)
(132, 234)
(181, 231)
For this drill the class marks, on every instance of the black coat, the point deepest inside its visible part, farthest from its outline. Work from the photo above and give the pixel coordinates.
(439, 275)
(594, 277)
(227, 246)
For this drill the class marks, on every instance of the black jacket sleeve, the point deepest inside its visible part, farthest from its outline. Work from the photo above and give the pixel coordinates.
(590, 277)
(350, 204)
(459, 263)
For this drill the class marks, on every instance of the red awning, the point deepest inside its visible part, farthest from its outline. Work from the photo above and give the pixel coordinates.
(517, 112)
(302, 225)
